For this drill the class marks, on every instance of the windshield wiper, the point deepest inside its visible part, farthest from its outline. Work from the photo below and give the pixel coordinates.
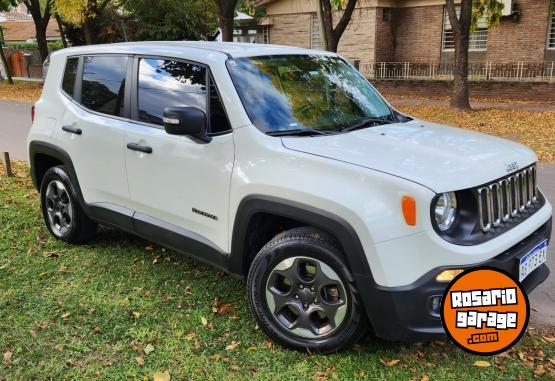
(296, 132)
(367, 122)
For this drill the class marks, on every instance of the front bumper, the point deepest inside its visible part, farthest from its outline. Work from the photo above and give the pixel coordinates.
(408, 313)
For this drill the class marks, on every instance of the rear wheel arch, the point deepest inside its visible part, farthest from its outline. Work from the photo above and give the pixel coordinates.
(43, 156)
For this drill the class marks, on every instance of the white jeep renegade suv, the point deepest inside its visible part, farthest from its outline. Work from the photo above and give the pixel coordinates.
(286, 167)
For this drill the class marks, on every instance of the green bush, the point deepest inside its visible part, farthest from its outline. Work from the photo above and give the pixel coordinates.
(52, 46)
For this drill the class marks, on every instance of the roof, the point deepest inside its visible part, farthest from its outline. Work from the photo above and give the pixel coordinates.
(231, 49)
(16, 16)
(25, 30)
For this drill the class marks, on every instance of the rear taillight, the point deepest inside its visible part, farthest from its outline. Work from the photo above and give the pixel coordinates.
(32, 113)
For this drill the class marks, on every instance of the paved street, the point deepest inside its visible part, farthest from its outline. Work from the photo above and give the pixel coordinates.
(15, 120)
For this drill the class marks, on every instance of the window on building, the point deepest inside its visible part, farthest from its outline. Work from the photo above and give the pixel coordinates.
(551, 37)
(104, 84)
(478, 38)
(386, 16)
(169, 83)
(70, 73)
(315, 40)
(266, 35)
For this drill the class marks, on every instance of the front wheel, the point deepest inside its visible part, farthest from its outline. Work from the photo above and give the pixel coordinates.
(303, 294)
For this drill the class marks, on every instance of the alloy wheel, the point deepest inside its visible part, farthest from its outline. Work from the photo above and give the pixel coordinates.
(306, 297)
(59, 208)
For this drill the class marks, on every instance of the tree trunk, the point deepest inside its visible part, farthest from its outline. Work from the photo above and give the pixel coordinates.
(461, 32)
(226, 25)
(40, 31)
(90, 37)
(5, 64)
(333, 35)
(61, 29)
(226, 14)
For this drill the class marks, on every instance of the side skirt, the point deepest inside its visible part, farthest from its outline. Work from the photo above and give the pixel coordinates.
(163, 233)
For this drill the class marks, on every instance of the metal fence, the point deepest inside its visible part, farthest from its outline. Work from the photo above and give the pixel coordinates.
(518, 71)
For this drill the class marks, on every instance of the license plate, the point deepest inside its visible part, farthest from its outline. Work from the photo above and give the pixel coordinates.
(532, 260)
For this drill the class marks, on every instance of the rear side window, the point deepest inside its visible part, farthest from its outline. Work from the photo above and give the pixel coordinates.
(103, 87)
(70, 73)
(169, 83)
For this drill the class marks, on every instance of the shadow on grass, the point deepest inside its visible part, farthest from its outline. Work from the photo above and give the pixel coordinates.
(109, 237)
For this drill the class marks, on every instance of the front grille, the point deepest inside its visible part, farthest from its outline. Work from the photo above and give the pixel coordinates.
(505, 199)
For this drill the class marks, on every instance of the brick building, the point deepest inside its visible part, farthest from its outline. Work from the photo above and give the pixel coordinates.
(418, 31)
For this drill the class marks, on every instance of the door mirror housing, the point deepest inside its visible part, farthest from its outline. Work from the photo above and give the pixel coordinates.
(189, 121)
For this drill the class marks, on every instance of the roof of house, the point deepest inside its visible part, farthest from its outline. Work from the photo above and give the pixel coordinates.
(231, 49)
(25, 30)
(16, 16)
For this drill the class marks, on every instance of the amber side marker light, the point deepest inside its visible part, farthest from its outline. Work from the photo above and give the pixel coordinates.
(409, 210)
(448, 275)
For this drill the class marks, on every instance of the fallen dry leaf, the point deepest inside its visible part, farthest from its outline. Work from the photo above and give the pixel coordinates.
(390, 362)
(64, 269)
(8, 356)
(234, 367)
(203, 321)
(161, 376)
(481, 363)
(148, 349)
(231, 346)
(140, 361)
(52, 254)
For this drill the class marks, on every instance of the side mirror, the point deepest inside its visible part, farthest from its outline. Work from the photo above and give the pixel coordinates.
(189, 121)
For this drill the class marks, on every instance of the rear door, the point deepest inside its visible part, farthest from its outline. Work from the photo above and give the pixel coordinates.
(178, 181)
(93, 126)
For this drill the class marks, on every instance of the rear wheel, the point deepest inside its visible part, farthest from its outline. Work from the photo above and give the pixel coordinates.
(61, 209)
(303, 294)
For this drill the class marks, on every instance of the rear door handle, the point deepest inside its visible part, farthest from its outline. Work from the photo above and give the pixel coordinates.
(72, 130)
(140, 148)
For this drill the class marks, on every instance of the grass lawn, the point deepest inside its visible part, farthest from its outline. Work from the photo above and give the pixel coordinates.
(122, 308)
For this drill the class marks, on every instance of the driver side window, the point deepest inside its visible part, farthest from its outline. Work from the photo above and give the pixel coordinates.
(169, 83)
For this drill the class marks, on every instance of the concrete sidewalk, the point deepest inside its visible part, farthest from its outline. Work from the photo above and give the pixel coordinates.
(15, 120)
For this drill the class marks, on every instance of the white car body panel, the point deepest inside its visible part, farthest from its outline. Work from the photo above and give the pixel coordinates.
(178, 176)
(439, 157)
(359, 176)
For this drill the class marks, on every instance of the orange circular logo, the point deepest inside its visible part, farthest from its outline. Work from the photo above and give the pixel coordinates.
(485, 311)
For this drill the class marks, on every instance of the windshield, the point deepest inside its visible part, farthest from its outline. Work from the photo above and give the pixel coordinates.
(317, 92)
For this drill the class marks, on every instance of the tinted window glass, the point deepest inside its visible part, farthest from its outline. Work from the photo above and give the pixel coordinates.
(167, 83)
(218, 117)
(68, 83)
(104, 84)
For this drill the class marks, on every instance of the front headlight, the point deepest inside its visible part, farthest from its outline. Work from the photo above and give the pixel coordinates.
(445, 210)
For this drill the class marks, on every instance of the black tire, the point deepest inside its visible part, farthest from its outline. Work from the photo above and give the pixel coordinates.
(303, 244)
(78, 228)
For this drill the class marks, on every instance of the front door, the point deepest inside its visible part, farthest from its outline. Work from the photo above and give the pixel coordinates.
(174, 179)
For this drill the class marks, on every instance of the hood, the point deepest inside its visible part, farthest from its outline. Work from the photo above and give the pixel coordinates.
(439, 157)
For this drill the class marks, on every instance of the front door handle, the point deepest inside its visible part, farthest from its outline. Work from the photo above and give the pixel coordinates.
(140, 148)
(72, 130)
